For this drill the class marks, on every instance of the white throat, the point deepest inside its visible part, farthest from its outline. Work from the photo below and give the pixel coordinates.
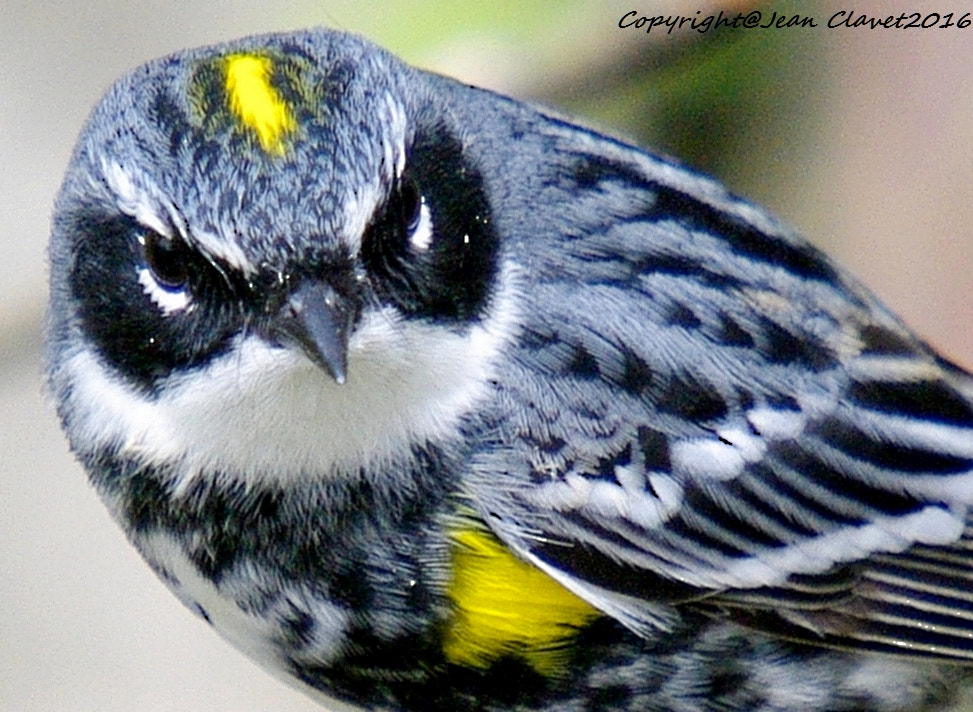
(265, 414)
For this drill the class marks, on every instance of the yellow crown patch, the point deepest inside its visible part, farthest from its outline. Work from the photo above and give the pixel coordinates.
(255, 103)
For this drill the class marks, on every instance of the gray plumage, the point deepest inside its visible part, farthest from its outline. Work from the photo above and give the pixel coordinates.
(644, 387)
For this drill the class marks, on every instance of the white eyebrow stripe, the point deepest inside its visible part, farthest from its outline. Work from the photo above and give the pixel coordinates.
(395, 152)
(133, 200)
(147, 204)
(224, 250)
(359, 207)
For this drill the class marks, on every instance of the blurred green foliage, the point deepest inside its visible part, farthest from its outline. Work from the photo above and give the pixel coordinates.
(723, 102)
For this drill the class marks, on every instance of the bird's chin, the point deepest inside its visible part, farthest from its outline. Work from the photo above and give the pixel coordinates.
(265, 414)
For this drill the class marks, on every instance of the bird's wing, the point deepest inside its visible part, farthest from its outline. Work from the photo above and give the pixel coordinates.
(701, 409)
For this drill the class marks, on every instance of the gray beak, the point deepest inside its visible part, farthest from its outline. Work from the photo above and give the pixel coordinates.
(316, 318)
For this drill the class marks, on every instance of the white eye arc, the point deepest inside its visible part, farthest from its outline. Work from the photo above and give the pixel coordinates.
(420, 237)
(169, 300)
(164, 272)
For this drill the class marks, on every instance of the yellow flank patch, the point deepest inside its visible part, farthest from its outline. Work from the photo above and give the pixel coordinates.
(255, 103)
(505, 606)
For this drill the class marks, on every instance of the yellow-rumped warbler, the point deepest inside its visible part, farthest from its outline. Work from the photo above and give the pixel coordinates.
(435, 402)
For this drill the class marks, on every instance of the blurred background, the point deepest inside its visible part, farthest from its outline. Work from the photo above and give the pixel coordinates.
(862, 139)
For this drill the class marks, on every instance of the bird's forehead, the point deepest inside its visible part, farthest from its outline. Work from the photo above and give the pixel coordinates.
(266, 153)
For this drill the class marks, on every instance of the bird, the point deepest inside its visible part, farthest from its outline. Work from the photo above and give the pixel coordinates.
(425, 398)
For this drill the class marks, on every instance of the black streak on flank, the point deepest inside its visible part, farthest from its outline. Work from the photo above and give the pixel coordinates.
(298, 627)
(608, 698)
(411, 675)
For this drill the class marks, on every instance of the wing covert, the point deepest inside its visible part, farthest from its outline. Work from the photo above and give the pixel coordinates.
(707, 411)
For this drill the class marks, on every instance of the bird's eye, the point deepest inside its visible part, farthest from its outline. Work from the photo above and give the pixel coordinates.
(167, 260)
(164, 271)
(415, 218)
(411, 202)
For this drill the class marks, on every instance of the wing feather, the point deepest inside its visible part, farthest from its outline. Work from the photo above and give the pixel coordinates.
(709, 413)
